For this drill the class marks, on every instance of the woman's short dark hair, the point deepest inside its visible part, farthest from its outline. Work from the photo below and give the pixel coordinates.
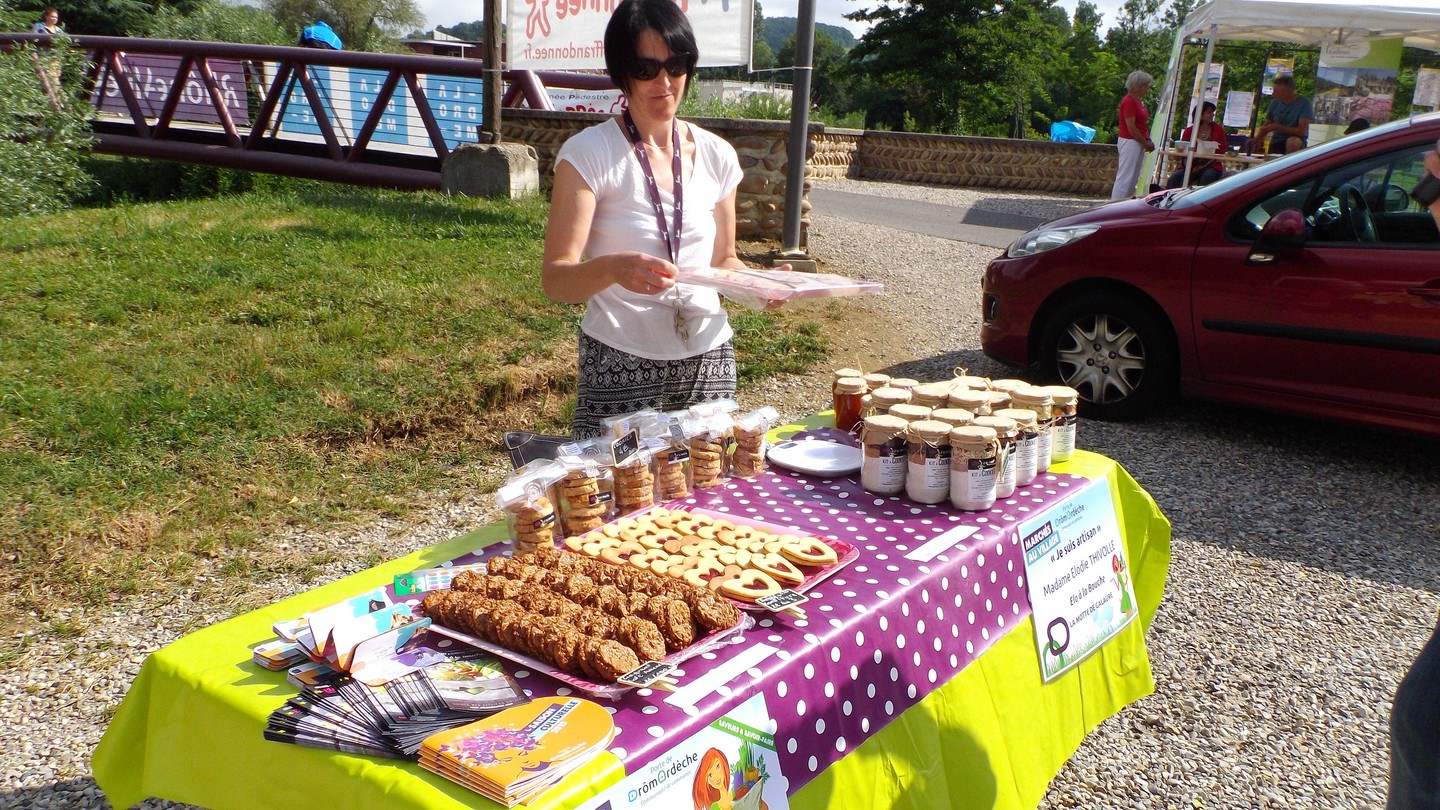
(634, 17)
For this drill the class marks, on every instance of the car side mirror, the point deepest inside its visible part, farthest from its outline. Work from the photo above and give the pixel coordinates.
(1284, 231)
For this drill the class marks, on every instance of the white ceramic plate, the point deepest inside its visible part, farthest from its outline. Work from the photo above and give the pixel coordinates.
(825, 459)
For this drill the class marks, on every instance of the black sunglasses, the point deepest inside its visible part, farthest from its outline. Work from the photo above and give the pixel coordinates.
(646, 69)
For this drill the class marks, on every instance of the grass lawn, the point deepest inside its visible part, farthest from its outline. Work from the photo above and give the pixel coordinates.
(179, 380)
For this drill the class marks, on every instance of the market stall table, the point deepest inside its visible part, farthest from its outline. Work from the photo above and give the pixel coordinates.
(913, 682)
(1172, 159)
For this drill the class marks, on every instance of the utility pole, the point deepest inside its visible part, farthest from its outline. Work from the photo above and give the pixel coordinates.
(790, 250)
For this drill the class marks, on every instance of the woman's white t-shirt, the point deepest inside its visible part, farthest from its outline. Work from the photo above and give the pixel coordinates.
(644, 325)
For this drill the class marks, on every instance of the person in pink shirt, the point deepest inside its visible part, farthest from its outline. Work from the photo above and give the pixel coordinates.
(1203, 172)
(1134, 140)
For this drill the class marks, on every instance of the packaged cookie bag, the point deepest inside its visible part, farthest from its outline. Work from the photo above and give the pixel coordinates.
(709, 441)
(529, 508)
(672, 462)
(634, 483)
(748, 458)
(586, 494)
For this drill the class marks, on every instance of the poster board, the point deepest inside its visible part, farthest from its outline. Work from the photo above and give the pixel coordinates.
(570, 34)
(1355, 79)
(1077, 577)
(1239, 107)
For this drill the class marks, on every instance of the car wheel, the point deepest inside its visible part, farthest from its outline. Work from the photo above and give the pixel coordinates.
(1118, 352)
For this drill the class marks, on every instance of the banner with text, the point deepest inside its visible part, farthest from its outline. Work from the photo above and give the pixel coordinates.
(570, 34)
(1077, 577)
(152, 75)
(731, 763)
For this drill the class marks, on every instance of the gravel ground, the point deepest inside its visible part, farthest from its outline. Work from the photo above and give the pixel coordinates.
(1303, 580)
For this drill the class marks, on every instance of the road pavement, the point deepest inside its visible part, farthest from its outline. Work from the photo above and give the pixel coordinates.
(961, 224)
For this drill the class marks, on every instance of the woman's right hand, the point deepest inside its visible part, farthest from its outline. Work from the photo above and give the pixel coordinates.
(642, 273)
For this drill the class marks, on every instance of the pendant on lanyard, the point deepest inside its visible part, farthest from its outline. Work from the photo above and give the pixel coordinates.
(672, 241)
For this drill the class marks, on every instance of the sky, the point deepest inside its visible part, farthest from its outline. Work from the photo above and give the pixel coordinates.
(451, 12)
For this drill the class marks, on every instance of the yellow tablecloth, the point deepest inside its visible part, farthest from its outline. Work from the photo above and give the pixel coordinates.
(993, 737)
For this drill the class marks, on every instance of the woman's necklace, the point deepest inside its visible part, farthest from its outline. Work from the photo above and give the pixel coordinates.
(671, 240)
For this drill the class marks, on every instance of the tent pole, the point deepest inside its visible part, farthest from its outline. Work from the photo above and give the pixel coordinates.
(1255, 108)
(1204, 78)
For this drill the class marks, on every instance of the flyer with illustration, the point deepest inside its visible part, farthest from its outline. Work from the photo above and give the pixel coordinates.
(1078, 578)
(730, 763)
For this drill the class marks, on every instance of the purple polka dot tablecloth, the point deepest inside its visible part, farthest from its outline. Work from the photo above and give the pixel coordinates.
(932, 589)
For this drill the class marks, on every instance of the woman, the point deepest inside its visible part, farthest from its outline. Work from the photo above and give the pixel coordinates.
(1203, 173)
(1134, 133)
(635, 198)
(49, 22)
(711, 789)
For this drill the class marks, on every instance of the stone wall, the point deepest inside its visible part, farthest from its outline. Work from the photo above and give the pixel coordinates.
(760, 201)
(902, 157)
(909, 157)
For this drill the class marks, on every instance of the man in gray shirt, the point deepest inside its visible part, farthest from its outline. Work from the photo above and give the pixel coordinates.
(1287, 119)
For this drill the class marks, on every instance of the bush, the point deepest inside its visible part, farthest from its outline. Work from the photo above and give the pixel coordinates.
(756, 106)
(139, 180)
(42, 140)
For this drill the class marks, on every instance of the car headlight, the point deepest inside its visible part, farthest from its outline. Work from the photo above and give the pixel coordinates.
(1043, 239)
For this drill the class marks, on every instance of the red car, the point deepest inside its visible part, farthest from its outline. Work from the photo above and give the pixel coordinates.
(1309, 284)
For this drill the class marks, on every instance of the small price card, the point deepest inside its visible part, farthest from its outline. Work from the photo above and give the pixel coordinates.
(782, 600)
(625, 446)
(646, 674)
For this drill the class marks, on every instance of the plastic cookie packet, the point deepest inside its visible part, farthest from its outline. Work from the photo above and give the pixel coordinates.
(529, 509)
(747, 460)
(585, 495)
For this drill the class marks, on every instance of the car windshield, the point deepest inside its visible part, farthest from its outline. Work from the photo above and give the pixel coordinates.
(1203, 194)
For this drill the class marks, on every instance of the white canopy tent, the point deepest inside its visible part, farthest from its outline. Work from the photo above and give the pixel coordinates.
(1305, 22)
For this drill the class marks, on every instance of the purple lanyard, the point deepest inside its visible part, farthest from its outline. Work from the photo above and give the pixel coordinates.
(672, 243)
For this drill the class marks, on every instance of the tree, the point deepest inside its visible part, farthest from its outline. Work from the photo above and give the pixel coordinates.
(42, 137)
(116, 18)
(972, 66)
(363, 25)
(218, 21)
(827, 80)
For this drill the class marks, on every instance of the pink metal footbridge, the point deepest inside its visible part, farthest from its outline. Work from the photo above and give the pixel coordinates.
(345, 116)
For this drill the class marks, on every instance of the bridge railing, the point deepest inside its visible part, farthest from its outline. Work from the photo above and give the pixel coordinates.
(345, 116)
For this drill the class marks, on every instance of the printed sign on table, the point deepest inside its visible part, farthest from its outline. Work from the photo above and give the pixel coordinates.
(732, 759)
(570, 34)
(1077, 576)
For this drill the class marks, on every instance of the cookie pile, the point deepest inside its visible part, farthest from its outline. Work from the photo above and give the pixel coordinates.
(634, 487)
(748, 460)
(577, 614)
(587, 501)
(672, 474)
(706, 456)
(532, 524)
(739, 561)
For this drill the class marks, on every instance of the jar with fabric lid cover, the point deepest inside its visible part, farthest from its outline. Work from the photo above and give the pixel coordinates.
(1007, 433)
(955, 417)
(884, 445)
(1026, 445)
(1038, 399)
(976, 402)
(909, 411)
(903, 382)
(927, 476)
(933, 395)
(974, 452)
(1065, 409)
